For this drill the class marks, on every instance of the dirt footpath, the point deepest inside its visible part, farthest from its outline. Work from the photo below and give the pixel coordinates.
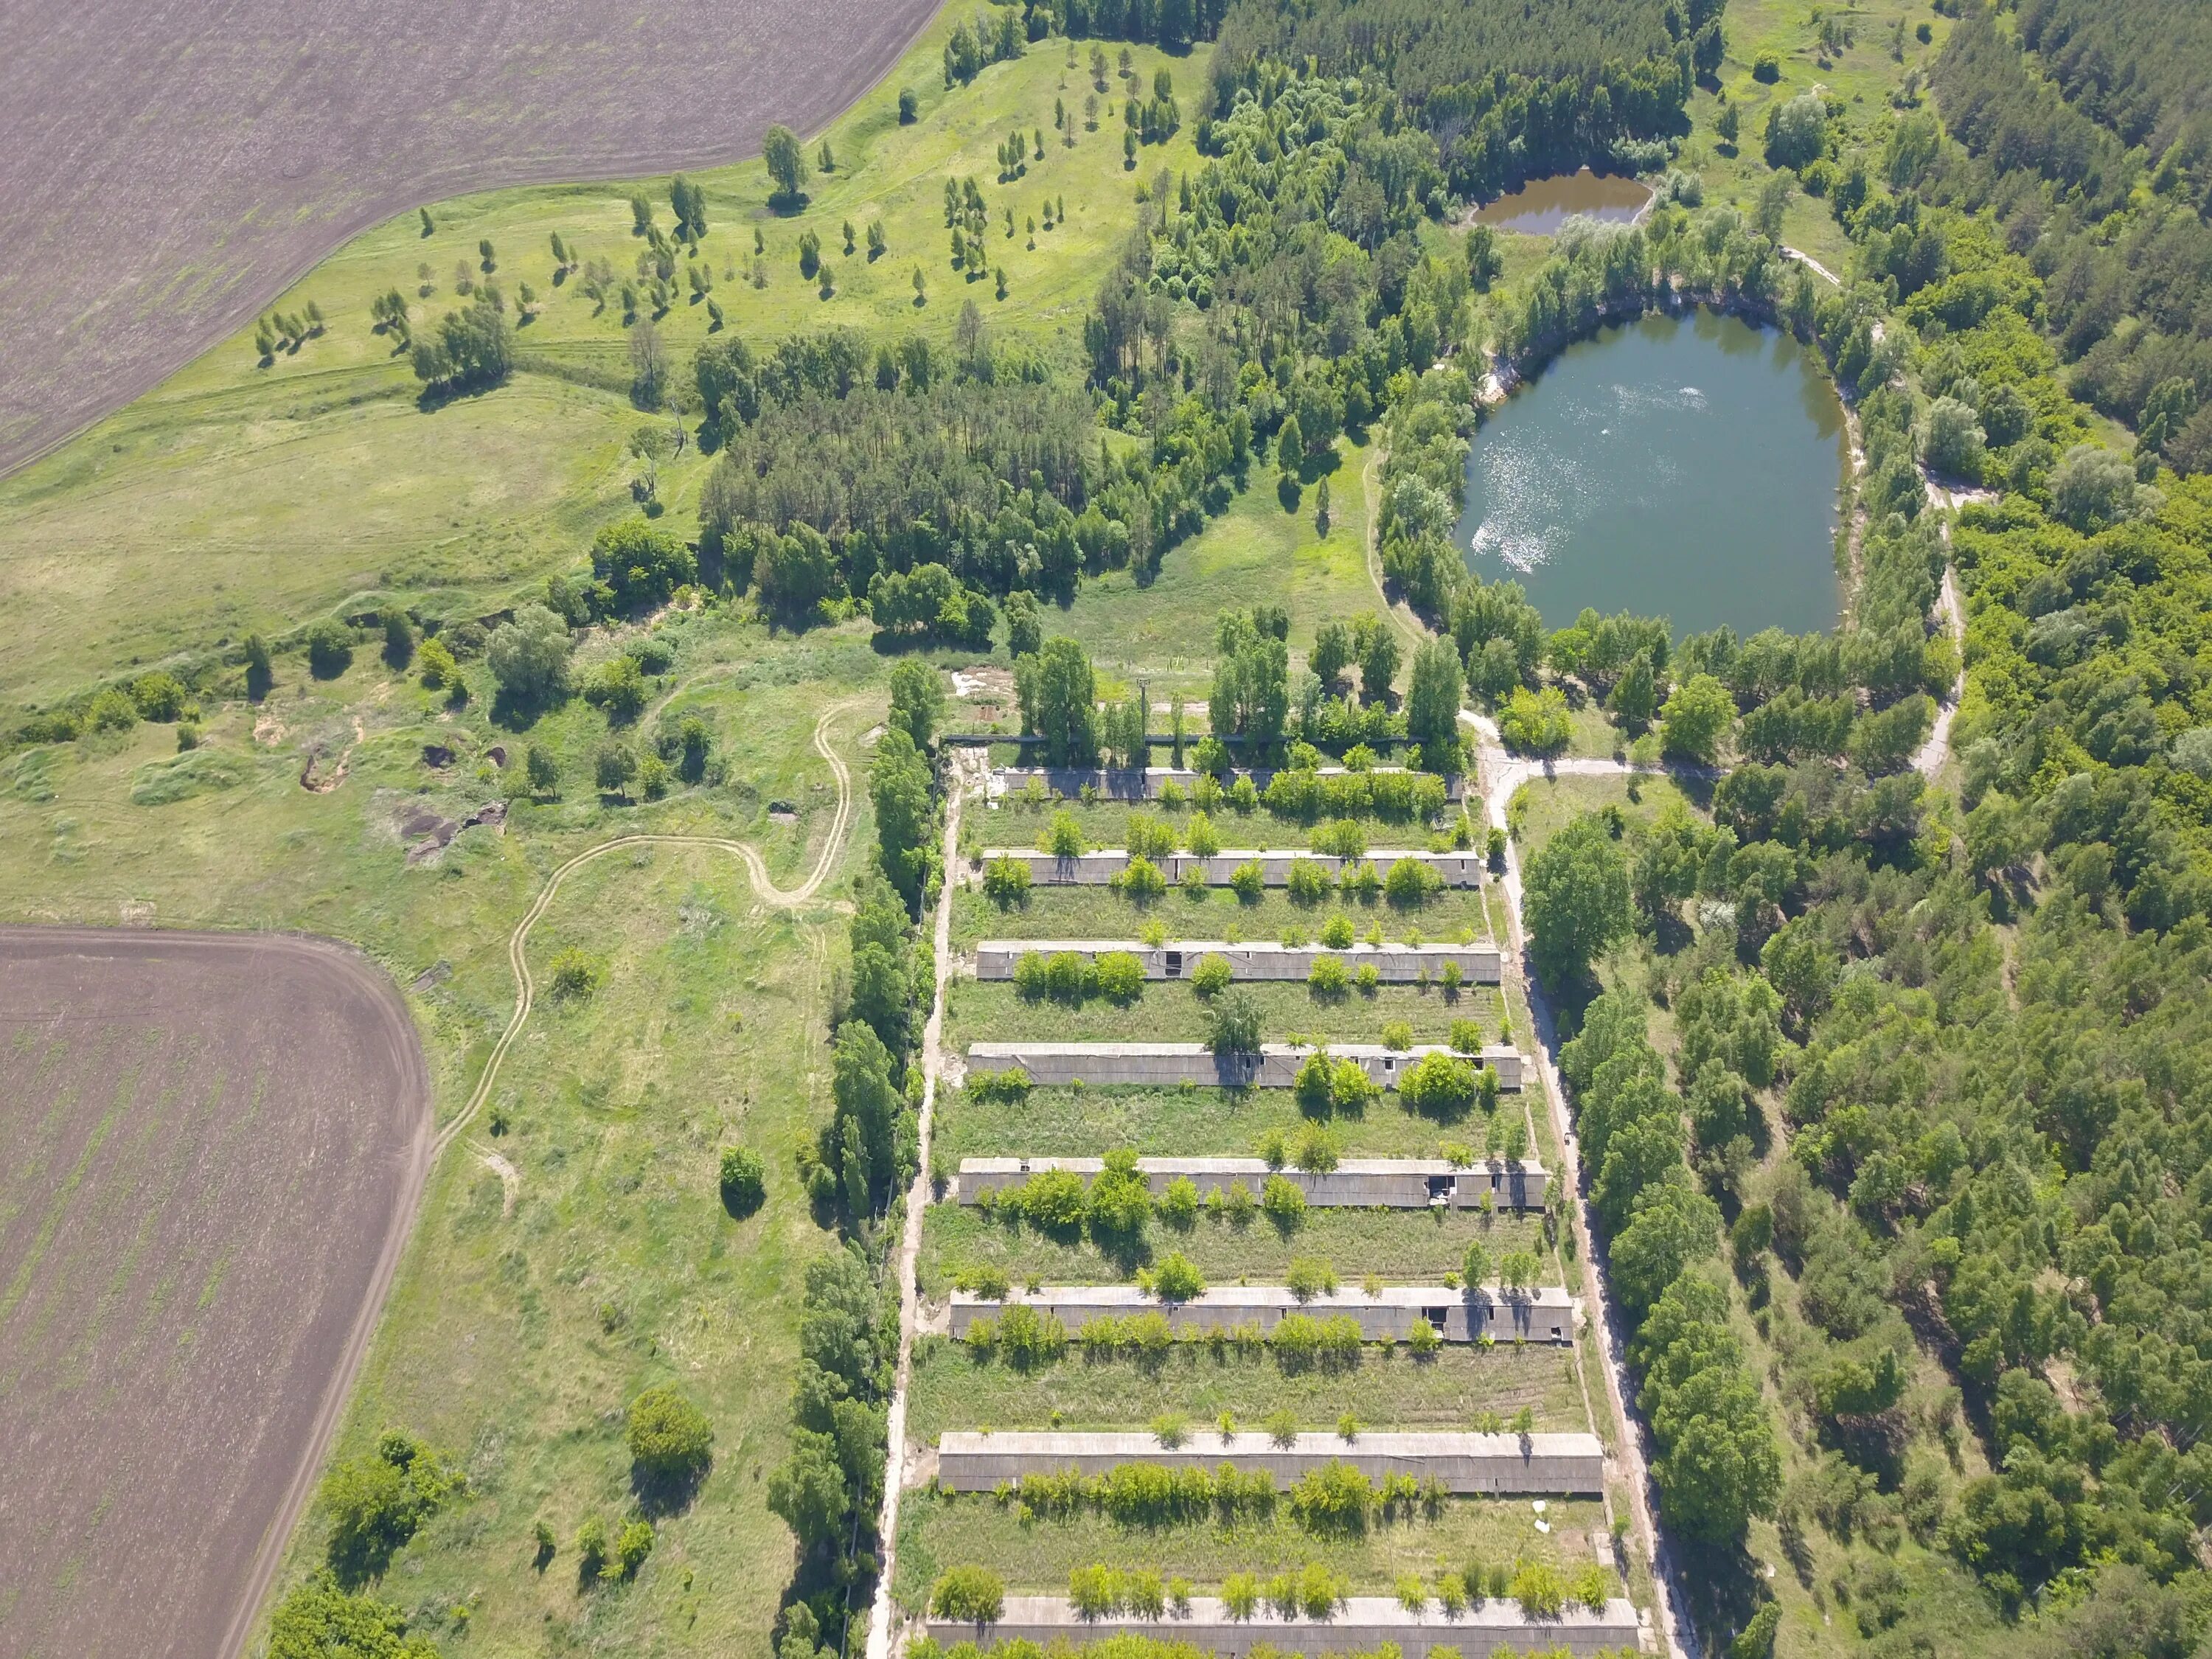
(168, 167)
(216, 1143)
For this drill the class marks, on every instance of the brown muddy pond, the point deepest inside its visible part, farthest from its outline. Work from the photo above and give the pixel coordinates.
(1541, 205)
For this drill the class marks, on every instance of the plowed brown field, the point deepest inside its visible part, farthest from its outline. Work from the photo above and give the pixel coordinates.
(167, 167)
(214, 1143)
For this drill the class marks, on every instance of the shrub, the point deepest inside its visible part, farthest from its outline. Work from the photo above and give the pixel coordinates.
(1248, 881)
(592, 1548)
(1327, 977)
(1351, 1088)
(1178, 1204)
(669, 1438)
(1337, 933)
(330, 649)
(632, 1544)
(1540, 1589)
(1095, 1592)
(1310, 1276)
(1467, 1035)
(575, 975)
(1051, 1200)
(1362, 881)
(1234, 1024)
(1284, 1202)
(1441, 1086)
(1335, 1498)
(1064, 839)
(618, 687)
(744, 1182)
(1121, 976)
(1030, 1339)
(1308, 881)
(1397, 1034)
(111, 710)
(1212, 975)
(1314, 1086)
(1589, 1587)
(1341, 837)
(377, 1501)
(974, 1595)
(1119, 1201)
(1315, 1152)
(1006, 882)
(159, 696)
(1201, 837)
(436, 667)
(1148, 837)
(1067, 976)
(1141, 881)
(1411, 883)
(1240, 1595)
(1766, 68)
(1174, 1279)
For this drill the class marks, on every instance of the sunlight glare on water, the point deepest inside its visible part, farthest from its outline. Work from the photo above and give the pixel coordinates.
(1686, 468)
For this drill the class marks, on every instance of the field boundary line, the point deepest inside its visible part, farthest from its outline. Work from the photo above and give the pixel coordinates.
(841, 826)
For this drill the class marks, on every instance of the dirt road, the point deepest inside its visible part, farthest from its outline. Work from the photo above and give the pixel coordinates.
(841, 824)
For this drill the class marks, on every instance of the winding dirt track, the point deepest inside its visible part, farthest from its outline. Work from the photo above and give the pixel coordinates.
(517, 942)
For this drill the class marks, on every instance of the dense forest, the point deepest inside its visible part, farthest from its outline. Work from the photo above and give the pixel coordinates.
(2076, 130)
(1917, 1081)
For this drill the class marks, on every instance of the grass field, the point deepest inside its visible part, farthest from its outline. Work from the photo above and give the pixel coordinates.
(1862, 75)
(1082, 1123)
(956, 1388)
(235, 497)
(1542, 807)
(940, 1530)
(1216, 913)
(1012, 822)
(585, 1254)
(1174, 1012)
(1395, 1246)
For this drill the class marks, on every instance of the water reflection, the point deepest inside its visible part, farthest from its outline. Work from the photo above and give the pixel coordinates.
(1683, 467)
(1538, 207)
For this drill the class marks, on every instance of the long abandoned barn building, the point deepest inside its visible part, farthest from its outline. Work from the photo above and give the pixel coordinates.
(1167, 1065)
(1390, 1183)
(1545, 1312)
(1463, 1463)
(1393, 964)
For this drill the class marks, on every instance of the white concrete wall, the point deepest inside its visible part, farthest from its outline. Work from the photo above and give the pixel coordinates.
(1360, 1625)
(1395, 964)
(1466, 1465)
(1405, 1183)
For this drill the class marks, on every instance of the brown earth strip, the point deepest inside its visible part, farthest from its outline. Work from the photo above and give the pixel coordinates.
(217, 1146)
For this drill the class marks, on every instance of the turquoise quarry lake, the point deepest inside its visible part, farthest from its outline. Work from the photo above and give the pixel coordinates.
(1679, 467)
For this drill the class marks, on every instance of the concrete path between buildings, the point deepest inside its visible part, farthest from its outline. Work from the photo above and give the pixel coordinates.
(966, 767)
(1501, 774)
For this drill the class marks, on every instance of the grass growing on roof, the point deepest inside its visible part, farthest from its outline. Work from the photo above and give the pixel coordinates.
(1207, 914)
(1172, 1012)
(1082, 1123)
(1398, 1246)
(938, 1530)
